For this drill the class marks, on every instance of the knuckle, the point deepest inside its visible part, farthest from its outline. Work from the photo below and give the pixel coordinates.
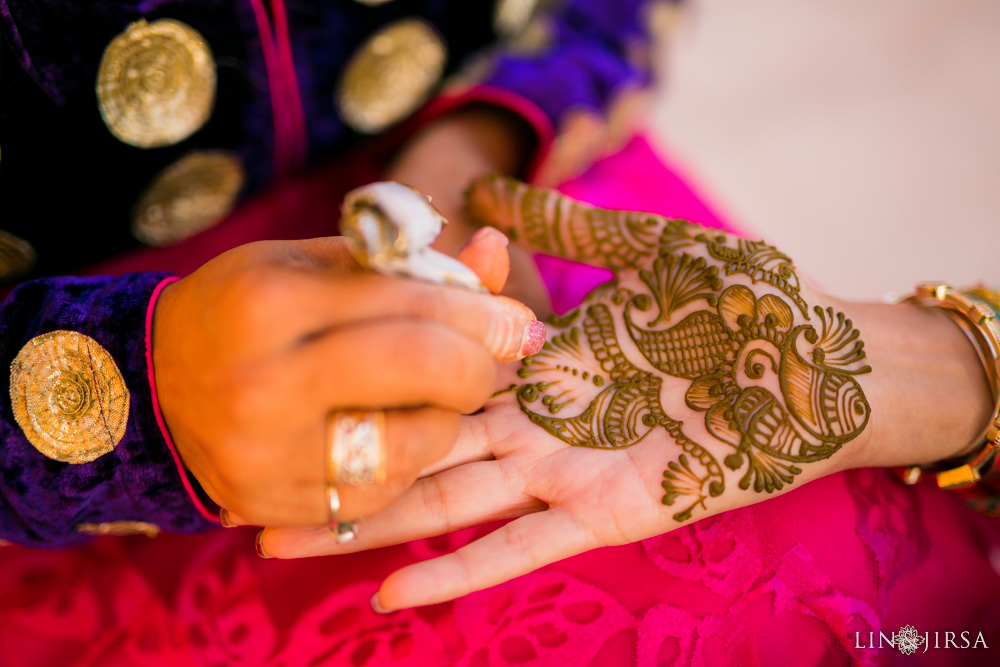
(436, 503)
(517, 541)
(423, 353)
(254, 296)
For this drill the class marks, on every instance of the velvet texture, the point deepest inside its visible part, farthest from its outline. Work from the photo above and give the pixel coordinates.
(50, 52)
(597, 48)
(42, 500)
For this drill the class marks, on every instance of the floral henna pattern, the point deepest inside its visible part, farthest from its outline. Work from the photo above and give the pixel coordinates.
(774, 382)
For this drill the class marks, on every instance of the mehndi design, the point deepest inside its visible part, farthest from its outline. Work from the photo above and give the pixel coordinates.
(775, 382)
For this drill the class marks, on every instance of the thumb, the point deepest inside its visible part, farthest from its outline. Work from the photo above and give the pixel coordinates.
(486, 254)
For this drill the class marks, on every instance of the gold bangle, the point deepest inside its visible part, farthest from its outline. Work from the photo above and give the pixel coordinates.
(978, 320)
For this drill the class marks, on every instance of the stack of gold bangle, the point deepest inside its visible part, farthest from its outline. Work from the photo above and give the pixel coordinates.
(976, 312)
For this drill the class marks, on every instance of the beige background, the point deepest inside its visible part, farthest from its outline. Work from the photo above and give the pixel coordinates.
(860, 136)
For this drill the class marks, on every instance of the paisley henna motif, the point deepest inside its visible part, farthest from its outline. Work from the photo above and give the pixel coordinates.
(775, 383)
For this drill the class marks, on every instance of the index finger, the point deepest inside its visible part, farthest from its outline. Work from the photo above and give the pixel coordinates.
(507, 328)
(549, 222)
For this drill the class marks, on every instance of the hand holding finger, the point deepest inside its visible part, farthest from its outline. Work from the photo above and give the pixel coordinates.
(269, 338)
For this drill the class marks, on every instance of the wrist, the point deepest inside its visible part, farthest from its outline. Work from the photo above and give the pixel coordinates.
(928, 391)
(163, 365)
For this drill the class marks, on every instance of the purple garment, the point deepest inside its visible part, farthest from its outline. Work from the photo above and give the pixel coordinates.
(588, 61)
(43, 500)
(50, 52)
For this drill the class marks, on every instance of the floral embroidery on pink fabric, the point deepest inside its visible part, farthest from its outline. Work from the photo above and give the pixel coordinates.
(545, 618)
(709, 553)
(343, 630)
(221, 609)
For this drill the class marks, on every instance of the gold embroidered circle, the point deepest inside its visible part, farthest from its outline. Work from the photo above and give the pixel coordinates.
(17, 257)
(188, 197)
(156, 83)
(68, 396)
(391, 75)
(119, 528)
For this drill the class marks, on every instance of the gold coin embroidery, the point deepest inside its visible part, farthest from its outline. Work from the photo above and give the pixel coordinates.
(68, 396)
(17, 257)
(391, 75)
(188, 197)
(156, 83)
(119, 528)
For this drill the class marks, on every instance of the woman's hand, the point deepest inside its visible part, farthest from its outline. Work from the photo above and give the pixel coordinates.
(706, 377)
(253, 350)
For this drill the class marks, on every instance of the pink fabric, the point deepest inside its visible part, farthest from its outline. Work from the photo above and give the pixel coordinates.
(286, 103)
(785, 582)
(291, 96)
(185, 479)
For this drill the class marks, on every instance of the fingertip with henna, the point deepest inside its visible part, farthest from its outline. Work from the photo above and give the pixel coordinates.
(534, 339)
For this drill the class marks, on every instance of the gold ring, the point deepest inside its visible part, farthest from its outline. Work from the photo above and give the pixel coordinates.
(357, 447)
(356, 456)
(342, 531)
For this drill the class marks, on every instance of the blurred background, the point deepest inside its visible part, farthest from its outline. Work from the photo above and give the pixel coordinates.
(860, 136)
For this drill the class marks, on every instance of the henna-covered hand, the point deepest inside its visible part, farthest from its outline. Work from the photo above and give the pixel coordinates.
(706, 376)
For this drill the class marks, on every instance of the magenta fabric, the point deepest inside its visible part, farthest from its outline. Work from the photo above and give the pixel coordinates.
(786, 582)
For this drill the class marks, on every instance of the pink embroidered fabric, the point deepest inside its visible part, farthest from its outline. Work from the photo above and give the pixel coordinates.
(798, 580)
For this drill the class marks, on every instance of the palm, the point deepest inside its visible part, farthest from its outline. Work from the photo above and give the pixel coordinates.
(703, 378)
(607, 494)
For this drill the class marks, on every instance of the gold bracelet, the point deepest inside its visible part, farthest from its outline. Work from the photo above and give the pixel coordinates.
(977, 318)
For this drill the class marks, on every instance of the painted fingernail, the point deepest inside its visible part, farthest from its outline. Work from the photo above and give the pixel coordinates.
(259, 544)
(377, 605)
(489, 232)
(534, 339)
(224, 519)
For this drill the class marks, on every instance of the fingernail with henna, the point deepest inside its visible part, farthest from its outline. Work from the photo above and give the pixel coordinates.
(258, 543)
(377, 605)
(534, 339)
(225, 520)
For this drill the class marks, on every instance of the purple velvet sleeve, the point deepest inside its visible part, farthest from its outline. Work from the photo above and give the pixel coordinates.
(43, 501)
(586, 63)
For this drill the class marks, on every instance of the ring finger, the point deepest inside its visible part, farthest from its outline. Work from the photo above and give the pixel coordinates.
(414, 438)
